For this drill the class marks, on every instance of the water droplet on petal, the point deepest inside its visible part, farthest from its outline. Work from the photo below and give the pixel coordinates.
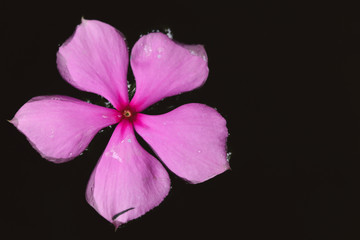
(116, 156)
(147, 50)
(52, 133)
(113, 153)
(129, 140)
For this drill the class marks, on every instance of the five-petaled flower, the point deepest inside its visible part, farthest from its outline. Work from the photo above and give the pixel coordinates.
(128, 181)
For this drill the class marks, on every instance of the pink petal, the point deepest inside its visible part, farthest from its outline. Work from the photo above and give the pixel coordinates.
(190, 140)
(163, 68)
(127, 181)
(60, 127)
(95, 59)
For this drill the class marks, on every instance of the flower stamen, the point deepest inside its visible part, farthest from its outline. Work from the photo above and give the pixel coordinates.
(127, 113)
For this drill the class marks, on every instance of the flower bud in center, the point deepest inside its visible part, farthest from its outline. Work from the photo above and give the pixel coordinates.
(127, 113)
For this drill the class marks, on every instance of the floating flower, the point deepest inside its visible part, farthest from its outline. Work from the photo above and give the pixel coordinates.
(128, 181)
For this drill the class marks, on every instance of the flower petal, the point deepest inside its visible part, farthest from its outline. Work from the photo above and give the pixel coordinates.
(127, 181)
(163, 68)
(61, 127)
(95, 59)
(190, 140)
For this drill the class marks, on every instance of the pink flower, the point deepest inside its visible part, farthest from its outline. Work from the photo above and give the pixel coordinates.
(128, 181)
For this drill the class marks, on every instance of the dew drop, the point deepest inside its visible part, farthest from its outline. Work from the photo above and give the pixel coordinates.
(228, 156)
(112, 153)
(204, 58)
(116, 156)
(147, 50)
(159, 56)
(129, 140)
(169, 33)
(104, 116)
(192, 52)
(108, 104)
(199, 151)
(52, 133)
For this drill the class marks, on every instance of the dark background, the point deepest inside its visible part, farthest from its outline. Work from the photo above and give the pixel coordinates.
(286, 78)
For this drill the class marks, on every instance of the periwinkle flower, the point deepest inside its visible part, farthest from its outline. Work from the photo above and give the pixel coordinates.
(128, 181)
